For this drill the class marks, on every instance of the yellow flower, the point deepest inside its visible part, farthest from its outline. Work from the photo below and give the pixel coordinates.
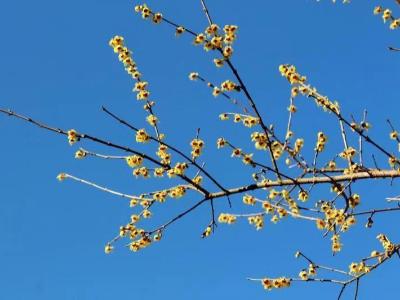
(219, 62)
(140, 86)
(354, 200)
(303, 195)
(72, 136)
(336, 245)
(312, 271)
(248, 159)
(227, 52)
(353, 267)
(142, 136)
(320, 224)
(199, 39)
(387, 14)
(207, 232)
(216, 42)
(394, 135)
(134, 160)
(228, 85)
(179, 30)
(236, 152)
(108, 248)
(80, 154)
(212, 29)
(216, 91)
(61, 176)
(226, 218)
(143, 95)
(157, 237)
(146, 12)
(116, 41)
(157, 18)
(395, 24)
(303, 275)
(193, 76)
(133, 202)
(378, 10)
(146, 214)
(275, 219)
(135, 218)
(158, 172)
(221, 142)
(267, 283)
(249, 200)
(152, 120)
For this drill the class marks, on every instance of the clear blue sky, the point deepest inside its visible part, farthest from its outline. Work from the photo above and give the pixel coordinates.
(56, 66)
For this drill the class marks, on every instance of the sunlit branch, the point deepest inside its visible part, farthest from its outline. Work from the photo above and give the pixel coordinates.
(103, 142)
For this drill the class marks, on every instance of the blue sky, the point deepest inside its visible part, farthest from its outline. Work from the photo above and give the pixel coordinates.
(56, 66)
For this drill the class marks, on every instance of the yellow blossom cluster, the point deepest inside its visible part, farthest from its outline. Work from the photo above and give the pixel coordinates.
(298, 145)
(277, 149)
(303, 195)
(359, 268)
(277, 283)
(227, 218)
(336, 244)
(247, 120)
(334, 217)
(143, 172)
(140, 238)
(158, 172)
(387, 16)
(163, 154)
(197, 147)
(269, 209)
(134, 160)
(257, 221)
(146, 13)
(260, 140)
(215, 39)
(161, 196)
(152, 120)
(141, 243)
(303, 275)
(177, 192)
(141, 89)
(178, 169)
(354, 200)
(229, 86)
(142, 136)
(348, 153)
(295, 79)
(386, 244)
(198, 180)
(249, 199)
(312, 270)
(321, 141)
(72, 136)
(125, 56)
